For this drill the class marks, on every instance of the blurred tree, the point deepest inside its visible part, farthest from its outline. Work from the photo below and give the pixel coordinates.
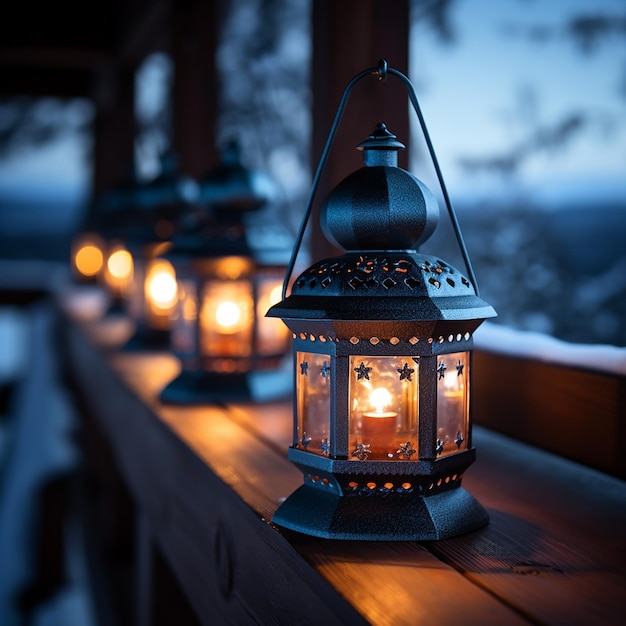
(33, 122)
(562, 272)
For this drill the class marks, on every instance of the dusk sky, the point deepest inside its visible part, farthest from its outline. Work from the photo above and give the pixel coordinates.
(483, 94)
(495, 83)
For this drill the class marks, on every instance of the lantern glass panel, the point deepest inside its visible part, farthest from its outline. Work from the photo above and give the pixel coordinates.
(160, 293)
(313, 402)
(272, 334)
(184, 327)
(452, 402)
(383, 404)
(226, 318)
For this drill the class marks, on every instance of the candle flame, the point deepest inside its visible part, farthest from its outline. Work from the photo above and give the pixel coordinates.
(120, 264)
(228, 314)
(380, 398)
(162, 287)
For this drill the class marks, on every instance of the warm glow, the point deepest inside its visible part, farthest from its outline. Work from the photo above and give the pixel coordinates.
(120, 264)
(232, 267)
(380, 399)
(89, 259)
(276, 295)
(228, 316)
(272, 336)
(161, 286)
(452, 384)
(226, 319)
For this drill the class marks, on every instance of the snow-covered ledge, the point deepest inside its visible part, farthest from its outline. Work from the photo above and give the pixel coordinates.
(492, 337)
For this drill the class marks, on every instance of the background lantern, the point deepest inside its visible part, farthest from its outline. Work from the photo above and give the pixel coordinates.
(151, 294)
(230, 271)
(98, 255)
(382, 345)
(88, 256)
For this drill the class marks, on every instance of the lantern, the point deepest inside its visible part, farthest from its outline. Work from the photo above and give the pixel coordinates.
(229, 273)
(87, 255)
(117, 273)
(382, 340)
(151, 294)
(101, 244)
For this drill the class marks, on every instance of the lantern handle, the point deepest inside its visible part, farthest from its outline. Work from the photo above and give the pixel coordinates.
(381, 71)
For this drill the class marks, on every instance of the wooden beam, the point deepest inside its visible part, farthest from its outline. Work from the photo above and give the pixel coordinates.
(575, 413)
(44, 82)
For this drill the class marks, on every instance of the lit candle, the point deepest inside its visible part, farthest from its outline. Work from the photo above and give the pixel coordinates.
(379, 425)
(119, 269)
(161, 294)
(228, 317)
(161, 286)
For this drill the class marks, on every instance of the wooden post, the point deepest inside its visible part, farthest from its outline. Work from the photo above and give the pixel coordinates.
(114, 128)
(348, 37)
(195, 95)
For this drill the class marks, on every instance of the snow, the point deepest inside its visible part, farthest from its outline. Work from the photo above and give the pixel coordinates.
(492, 337)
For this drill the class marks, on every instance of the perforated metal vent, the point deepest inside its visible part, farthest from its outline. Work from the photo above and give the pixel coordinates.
(394, 274)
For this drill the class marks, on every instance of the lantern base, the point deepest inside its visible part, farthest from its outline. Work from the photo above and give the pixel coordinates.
(200, 387)
(148, 339)
(407, 517)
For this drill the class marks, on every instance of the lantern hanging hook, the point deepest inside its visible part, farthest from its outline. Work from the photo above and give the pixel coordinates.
(381, 72)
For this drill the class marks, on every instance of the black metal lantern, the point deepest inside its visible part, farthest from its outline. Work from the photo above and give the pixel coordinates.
(151, 294)
(229, 273)
(382, 340)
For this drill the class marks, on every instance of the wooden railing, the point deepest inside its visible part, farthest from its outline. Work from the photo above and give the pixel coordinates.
(178, 504)
(566, 399)
(202, 483)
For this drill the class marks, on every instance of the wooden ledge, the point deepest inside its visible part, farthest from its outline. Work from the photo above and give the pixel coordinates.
(207, 479)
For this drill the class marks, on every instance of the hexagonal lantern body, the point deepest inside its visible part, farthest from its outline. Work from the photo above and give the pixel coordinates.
(382, 350)
(228, 275)
(150, 296)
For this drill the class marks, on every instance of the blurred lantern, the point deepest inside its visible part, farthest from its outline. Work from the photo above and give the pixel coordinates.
(382, 345)
(88, 256)
(150, 288)
(229, 272)
(99, 247)
(117, 272)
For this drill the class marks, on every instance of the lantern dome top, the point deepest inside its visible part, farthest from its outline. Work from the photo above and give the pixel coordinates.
(232, 188)
(380, 206)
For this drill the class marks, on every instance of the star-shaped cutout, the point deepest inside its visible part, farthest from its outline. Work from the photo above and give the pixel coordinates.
(441, 368)
(407, 450)
(405, 372)
(305, 441)
(459, 368)
(362, 451)
(459, 439)
(304, 368)
(325, 370)
(362, 371)
(325, 446)
(439, 448)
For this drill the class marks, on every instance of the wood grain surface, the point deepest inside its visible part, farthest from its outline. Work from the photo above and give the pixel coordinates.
(207, 480)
